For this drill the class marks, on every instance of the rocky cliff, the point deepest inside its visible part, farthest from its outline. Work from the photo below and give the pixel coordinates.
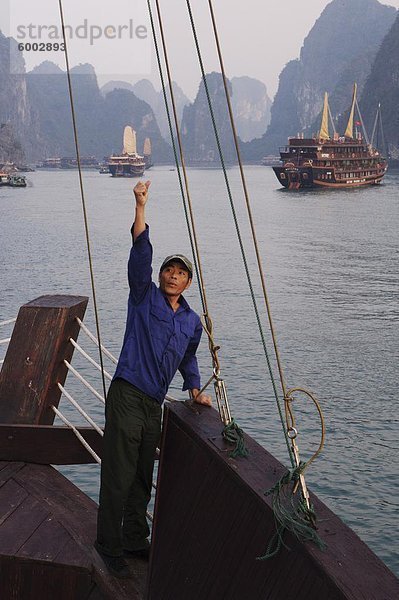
(146, 91)
(36, 111)
(197, 131)
(382, 86)
(100, 119)
(251, 107)
(339, 50)
(16, 117)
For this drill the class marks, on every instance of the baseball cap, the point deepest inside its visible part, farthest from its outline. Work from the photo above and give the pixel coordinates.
(179, 258)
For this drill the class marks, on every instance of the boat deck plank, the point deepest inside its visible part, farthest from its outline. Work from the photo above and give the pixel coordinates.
(47, 541)
(20, 525)
(47, 530)
(11, 496)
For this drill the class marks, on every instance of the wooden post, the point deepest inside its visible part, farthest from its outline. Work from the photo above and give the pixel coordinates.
(34, 362)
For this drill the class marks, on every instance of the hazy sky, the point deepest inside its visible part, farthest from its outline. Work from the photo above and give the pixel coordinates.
(258, 38)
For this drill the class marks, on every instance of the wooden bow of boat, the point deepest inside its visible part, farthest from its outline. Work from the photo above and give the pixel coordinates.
(212, 518)
(47, 525)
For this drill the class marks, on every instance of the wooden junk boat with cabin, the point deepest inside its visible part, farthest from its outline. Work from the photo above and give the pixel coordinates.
(347, 161)
(129, 163)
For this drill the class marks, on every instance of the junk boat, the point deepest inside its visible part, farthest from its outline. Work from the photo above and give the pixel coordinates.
(12, 180)
(129, 163)
(343, 161)
(16, 181)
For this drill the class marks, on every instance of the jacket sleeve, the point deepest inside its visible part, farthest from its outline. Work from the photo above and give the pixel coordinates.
(140, 266)
(189, 365)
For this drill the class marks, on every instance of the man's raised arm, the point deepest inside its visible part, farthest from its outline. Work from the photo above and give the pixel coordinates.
(141, 194)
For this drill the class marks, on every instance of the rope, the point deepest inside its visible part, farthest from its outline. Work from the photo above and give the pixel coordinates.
(290, 514)
(78, 435)
(95, 340)
(249, 280)
(234, 435)
(82, 194)
(186, 210)
(362, 122)
(304, 504)
(186, 197)
(83, 380)
(89, 358)
(80, 409)
(187, 203)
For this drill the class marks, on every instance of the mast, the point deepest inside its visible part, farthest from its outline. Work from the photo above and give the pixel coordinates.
(324, 133)
(349, 127)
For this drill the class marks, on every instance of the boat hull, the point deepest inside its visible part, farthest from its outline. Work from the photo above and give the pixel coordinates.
(303, 177)
(126, 170)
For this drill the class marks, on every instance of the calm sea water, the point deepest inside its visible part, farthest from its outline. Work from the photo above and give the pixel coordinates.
(331, 264)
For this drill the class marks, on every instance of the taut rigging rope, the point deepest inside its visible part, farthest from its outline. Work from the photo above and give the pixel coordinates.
(220, 389)
(240, 241)
(82, 194)
(304, 509)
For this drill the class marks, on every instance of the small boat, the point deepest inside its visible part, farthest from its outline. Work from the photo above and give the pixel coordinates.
(16, 181)
(325, 162)
(129, 163)
(104, 170)
(3, 179)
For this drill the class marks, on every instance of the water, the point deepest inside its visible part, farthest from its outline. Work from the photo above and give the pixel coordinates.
(330, 259)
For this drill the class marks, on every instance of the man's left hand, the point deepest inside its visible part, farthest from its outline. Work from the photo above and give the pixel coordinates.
(202, 398)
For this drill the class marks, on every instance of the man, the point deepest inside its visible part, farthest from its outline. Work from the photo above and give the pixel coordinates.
(162, 335)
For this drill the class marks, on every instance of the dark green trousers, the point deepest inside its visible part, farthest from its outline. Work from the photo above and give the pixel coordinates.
(131, 435)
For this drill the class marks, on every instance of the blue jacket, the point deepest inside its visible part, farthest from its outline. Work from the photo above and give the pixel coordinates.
(158, 341)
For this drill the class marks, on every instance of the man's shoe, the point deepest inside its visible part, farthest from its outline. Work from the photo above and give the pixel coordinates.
(143, 554)
(116, 565)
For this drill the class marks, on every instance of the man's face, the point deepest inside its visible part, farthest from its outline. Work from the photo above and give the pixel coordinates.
(174, 279)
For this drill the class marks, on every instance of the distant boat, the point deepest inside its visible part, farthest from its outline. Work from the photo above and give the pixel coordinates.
(129, 163)
(343, 161)
(50, 163)
(69, 162)
(148, 154)
(12, 180)
(86, 162)
(3, 179)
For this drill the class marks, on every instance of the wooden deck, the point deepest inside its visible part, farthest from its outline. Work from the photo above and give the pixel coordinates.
(47, 530)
